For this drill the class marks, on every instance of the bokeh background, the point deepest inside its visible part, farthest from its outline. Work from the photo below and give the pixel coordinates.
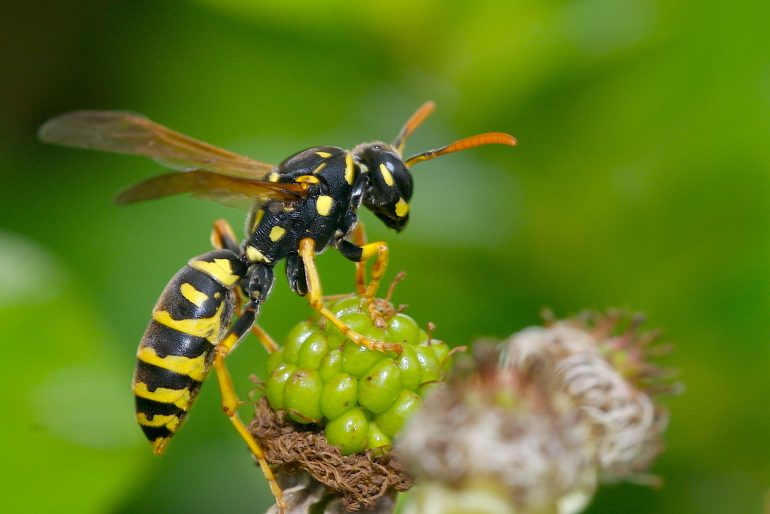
(642, 180)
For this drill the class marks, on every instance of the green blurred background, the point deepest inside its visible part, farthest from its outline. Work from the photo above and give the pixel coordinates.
(642, 179)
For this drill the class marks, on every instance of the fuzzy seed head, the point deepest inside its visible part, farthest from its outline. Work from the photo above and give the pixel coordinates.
(626, 424)
(498, 430)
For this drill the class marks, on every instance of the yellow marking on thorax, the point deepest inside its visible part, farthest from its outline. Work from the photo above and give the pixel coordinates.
(179, 397)
(202, 327)
(220, 270)
(170, 421)
(194, 368)
(255, 255)
(273, 177)
(349, 169)
(319, 168)
(310, 179)
(193, 295)
(386, 175)
(276, 233)
(324, 205)
(402, 208)
(323, 155)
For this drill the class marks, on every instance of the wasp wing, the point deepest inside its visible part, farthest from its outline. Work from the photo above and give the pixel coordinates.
(128, 133)
(235, 191)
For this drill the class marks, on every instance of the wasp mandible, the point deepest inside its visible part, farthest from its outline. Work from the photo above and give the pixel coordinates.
(298, 208)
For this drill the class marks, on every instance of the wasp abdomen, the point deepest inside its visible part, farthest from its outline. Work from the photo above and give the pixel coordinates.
(176, 351)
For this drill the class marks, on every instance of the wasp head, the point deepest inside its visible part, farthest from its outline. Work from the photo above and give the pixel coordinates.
(388, 187)
(388, 184)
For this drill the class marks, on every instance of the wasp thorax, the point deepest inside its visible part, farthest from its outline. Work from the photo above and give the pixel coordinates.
(389, 183)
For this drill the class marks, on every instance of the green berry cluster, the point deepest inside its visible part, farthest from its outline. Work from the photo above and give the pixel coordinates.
(363, 397)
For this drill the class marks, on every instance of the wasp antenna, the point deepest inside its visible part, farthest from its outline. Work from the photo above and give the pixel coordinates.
(412, 123)
(488, 138)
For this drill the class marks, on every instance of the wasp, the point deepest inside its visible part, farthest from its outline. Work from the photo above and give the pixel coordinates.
(297, 209)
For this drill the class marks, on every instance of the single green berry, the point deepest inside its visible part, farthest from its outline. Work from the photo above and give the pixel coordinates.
(379, 386)
(375, 333)
(411, 369)
(274, 360)
(331, 364)
(426, 388)
(296, 339)
(313, 350)
(402, 329)
(441, 350)
(339, 395)
(393, 419)
(275, 383)
(357, 359)
(377, 440)
(346, 306)
(302, 396)
(358, 321)
(431, 371)
(348, 432)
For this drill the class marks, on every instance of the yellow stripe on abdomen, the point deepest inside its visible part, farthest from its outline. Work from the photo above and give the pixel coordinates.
(171, 421)
(194, 368)
(208, 328)
(220, 270)
(179, 397)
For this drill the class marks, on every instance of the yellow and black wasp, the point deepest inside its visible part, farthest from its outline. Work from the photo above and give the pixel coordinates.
(298, 208)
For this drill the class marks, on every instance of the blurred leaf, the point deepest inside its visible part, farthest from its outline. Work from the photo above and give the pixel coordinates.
(70, 410)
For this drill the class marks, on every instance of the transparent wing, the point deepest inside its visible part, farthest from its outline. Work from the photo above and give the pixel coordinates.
(234, 191)
(128, 133)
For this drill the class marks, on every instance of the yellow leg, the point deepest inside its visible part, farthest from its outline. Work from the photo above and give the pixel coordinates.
(230, 404)
(268, 343)
(315, 298)
(222, 236)
(380, 249)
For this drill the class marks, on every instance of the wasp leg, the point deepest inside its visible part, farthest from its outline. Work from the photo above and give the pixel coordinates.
(223, 236)
(315, 298)
(231, 402)
(268, 343)
(362, 253)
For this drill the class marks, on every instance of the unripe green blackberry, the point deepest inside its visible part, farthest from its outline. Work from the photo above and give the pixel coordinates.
(295, 339)
(431, 369)
(362, 396)
(377, 440)
(312, 351)
(348, 432)
(380, 386)
(276, 380)
(302, 396)
(411, 368)
(331, 364)
(340, 394)
(391, 420)
(357, 359)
